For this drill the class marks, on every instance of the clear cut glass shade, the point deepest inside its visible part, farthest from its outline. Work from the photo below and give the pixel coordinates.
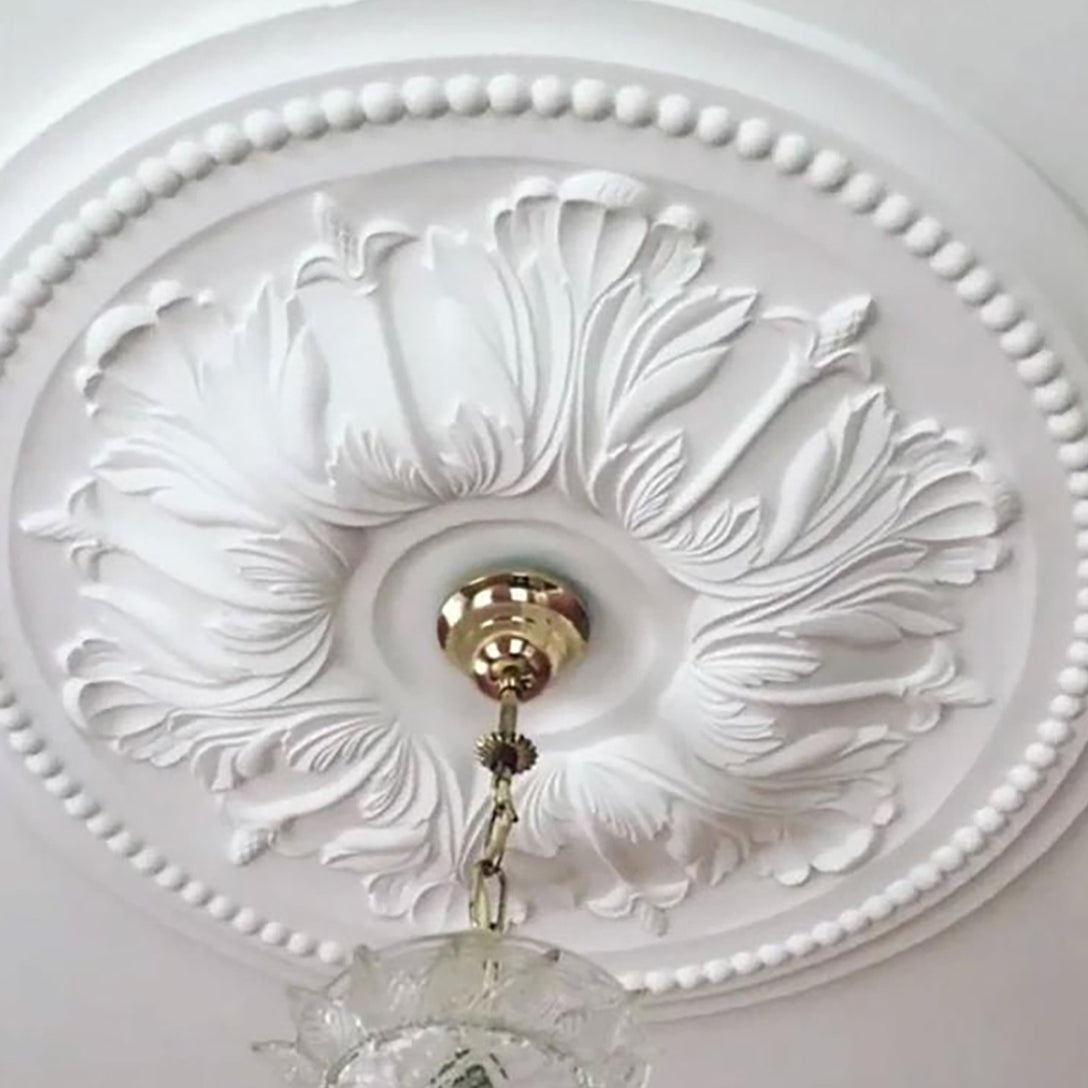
(466, 1010)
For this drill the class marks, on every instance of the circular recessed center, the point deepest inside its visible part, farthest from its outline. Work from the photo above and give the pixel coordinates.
(387, 617)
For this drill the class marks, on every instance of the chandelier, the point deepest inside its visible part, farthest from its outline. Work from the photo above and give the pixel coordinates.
(480, 1008)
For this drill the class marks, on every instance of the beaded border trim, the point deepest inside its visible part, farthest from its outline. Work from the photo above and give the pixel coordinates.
(227, 144)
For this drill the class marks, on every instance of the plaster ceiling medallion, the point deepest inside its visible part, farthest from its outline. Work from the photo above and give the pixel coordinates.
(306, 357)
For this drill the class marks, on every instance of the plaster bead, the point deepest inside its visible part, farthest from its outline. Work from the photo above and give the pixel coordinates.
(50, 265)
(304, 118)
(901, 892)
(754, 139)
(466, 95)
(676, 115)
(791, 154)
(969, 839)
(862, 193)
(331, 952)
(718, 971)
(800, 945)
(827, 171)
(80, 806)
(221, 908)
(977, 286)
(925, 877)
(508, 94)
(190, 160)
(1065, 706)
(102, 825)
(227, 144)
(1006, 798)
(1000, 313)
(301, 944)
(13, 717)
(1055, 396)
(1022, 339)
(195, 892)
(952, 260)
(124, 843)
(1068, 425)
(827, 934)
(590, 100)
(1040, 755)
(894, 213)
(949, 858)
(772, 955)
(634, 106)
(382, 104)
(343, 110)
(171, 877)
(1025, 778)
(714, 126)
(128, 197)
(1073, 455)
(42, 763)
(266, 130)
(1073, 680)
(989, 820)
(424, 97)
(148, 861)
(15, 316)
(924, 236)
(158, 177)
(550, 96)
(1038, 368)
(745, 963)
(688, 977)
(247, 921)
(28, 288)
(61, 785)
(853, 921)
(878, 907)
(101, 218)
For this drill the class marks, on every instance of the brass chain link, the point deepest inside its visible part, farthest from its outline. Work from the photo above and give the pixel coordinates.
(505, 754)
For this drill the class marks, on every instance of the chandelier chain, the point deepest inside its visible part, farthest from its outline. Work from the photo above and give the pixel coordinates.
(505, 753)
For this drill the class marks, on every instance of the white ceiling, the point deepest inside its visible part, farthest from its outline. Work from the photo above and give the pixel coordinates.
(95, 991)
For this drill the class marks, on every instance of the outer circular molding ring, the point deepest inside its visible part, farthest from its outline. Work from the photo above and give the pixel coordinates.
(265, 131)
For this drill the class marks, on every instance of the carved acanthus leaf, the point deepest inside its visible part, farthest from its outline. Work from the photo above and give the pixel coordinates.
(245, 457)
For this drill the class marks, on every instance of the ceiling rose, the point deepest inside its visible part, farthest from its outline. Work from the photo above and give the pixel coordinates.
(279, 382)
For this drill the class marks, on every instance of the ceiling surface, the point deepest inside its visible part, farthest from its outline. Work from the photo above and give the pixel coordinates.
(829, 818)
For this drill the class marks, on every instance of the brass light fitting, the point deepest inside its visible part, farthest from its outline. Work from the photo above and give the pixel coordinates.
(511, 632)
(513, 627)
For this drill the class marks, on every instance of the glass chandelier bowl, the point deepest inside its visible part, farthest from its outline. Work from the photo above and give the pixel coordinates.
(463, 1010)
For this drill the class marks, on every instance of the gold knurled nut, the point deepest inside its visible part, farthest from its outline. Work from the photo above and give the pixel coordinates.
(514, 754)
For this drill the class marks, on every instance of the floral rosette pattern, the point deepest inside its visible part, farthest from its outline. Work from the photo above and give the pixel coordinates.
(245, 457)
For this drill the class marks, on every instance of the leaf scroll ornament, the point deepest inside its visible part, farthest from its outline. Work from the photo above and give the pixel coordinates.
(245, 456)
